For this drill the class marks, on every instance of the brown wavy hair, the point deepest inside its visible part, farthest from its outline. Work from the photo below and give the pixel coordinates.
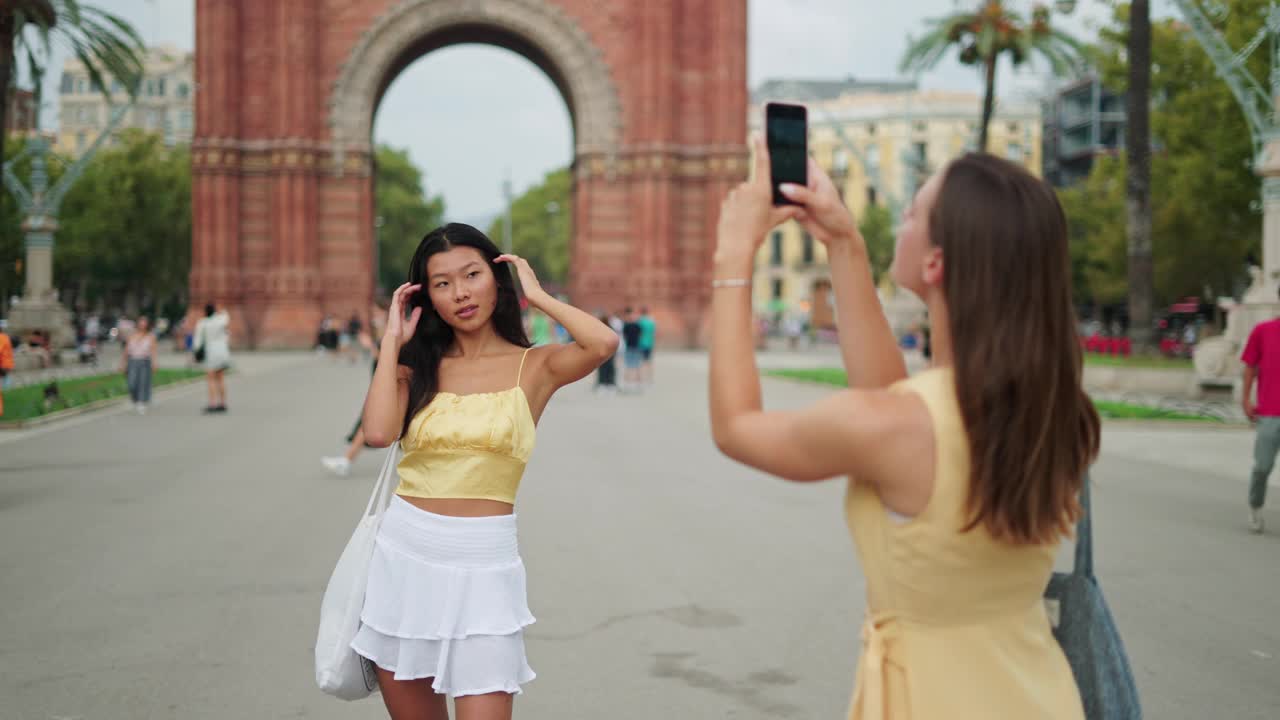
(1018, 366)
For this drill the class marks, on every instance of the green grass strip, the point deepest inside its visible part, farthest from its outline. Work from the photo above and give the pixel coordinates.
(1149, 362)
(27, 402)
(1107, 409)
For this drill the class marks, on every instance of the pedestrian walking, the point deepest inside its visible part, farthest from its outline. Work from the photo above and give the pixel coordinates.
(212, 342)
(607, 374)
(462, 390)
(632, 353)
(369, 337)
(138, 363)
(962, 480)
(540, 328)
(348, 343)
(1261, 358)
(648, 339)
(6, 364)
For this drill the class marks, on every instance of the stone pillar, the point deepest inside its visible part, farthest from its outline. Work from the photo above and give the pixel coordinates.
(39, 265)
(39, 308)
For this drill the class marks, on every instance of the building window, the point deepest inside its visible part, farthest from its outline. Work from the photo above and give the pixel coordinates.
(806, 255)
(184, 120)
(873, 156)
(183, 90)
(871, 195)
(85, 115)
(116, 87)
(777, 289)
(1013, 128)
(1015, 152)
(921, 151)
(68, 84)
(871, 128)
(775, 248)
(160, 87)
(840, 160)
(82, 86)
(921, 127)
(81, 139)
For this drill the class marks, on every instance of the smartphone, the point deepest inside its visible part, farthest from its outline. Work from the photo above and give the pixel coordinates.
(787, 135)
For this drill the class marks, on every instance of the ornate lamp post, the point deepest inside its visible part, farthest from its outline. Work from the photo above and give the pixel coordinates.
(1216, 359)
(39, 308)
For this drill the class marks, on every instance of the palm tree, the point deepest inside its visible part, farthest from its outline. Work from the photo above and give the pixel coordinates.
(1137, 143)
(984, 36)
(107, 45)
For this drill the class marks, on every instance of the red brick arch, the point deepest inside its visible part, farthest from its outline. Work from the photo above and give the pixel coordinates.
(283, 196)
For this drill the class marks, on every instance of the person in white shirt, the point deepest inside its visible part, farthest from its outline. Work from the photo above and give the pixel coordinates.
(212, 345)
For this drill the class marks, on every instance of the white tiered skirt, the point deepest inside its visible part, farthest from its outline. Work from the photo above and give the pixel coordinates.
(446, 600)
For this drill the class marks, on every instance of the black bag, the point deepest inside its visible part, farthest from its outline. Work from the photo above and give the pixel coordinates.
(200, 353)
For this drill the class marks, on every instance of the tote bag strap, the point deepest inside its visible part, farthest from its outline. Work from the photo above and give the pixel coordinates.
(1084, 534)
(387, 481)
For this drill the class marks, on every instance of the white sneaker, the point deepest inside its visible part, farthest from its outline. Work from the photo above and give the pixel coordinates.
(142, 408)
(1255, 521)
(337, 465)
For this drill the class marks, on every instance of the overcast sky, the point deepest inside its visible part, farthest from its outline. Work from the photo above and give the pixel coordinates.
(471, 114)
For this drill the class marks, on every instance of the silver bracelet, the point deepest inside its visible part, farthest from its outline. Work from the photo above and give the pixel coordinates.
(731, 283)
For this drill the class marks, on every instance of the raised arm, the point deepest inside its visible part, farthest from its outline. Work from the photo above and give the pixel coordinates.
(838, 436)
(867, 346)
(593, 341)
(388, 396)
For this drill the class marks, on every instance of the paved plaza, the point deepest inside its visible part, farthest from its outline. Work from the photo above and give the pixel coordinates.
(171, 565)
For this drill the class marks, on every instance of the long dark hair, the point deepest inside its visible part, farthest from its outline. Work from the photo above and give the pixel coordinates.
(433, 336)
(1018, 366)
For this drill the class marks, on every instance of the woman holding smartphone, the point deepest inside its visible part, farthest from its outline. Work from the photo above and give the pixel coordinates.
(460, 387)
(963, 480)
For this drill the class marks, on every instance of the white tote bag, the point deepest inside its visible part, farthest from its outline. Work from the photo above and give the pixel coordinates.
(340, 671)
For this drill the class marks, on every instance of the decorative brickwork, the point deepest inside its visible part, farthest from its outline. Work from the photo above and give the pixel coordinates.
(283, 196)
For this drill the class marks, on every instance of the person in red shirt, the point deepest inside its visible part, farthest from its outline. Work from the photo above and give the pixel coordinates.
(1261, 360)
(6, 364)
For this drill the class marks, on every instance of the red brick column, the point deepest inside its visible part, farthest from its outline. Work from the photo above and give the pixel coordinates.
(215, 160)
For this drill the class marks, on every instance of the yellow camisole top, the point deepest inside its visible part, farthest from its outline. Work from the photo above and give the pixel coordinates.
(472, 446)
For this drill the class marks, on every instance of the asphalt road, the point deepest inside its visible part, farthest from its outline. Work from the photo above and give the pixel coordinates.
(171, 565)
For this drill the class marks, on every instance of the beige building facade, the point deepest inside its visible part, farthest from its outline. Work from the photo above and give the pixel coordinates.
(878, 141)
(165, 103)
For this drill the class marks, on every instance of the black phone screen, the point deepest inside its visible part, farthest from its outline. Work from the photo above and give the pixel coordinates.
(786, 133)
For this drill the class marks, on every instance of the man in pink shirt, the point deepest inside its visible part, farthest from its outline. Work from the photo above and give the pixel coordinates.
(1261, 360)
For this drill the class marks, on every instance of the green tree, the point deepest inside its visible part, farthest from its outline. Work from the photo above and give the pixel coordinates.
(106, 44)
(540, 225)
(1096, 217)
(1204, 221)
(985, 35)
(876, 227)
(125, 235)
(406, 213)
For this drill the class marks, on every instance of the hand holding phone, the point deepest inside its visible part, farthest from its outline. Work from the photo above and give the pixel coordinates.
(787, 137)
